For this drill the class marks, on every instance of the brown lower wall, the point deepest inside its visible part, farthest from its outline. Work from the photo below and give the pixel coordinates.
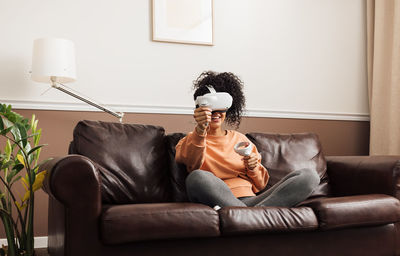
(337, 137)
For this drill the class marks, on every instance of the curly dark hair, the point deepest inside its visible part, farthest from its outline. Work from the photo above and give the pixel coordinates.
(223, 82)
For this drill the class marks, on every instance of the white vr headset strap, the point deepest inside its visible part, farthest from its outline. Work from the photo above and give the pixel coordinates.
(211, 88)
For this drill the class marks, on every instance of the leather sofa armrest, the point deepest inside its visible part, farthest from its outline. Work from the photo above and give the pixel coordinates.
(73, 185)
(73, 180)
(357, 175)
(355, 211)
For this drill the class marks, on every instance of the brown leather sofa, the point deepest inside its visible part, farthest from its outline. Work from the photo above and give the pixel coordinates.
(120, 192)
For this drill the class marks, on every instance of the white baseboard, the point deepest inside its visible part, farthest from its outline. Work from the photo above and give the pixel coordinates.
(298, 114)
(40, 242)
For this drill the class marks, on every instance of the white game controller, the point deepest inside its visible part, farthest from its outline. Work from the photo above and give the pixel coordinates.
(243, 148)
(221, 101)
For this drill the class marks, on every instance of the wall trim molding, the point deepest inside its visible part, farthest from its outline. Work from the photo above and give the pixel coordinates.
(181, 110)
(40, 241)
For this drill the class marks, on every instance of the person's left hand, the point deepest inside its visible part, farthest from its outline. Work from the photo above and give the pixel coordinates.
(251, 161)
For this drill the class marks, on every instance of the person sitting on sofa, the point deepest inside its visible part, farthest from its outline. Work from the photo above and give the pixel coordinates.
(220, 177)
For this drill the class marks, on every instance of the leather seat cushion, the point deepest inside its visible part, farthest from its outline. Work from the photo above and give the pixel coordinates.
(356, 211)
(251, 220)
(138, 222)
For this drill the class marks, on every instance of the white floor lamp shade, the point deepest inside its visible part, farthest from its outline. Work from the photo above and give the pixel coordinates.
(53, 57)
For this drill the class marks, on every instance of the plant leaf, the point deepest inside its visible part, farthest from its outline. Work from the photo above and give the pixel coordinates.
(25, 183)
(18, 167)
(16, 133)
(8, 150)
(1, 123)
(23, 133)
(6, 164)
(15, 180)
(20, 207)
(15, 170)
(7, 130)
(27, 137)
(36, 185)
(21, 159)
(35, 148)
(11, 175)
(33, 128)
(37, 137)
(39, 180)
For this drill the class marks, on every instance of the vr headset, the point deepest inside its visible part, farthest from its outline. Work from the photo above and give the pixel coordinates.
(217, 101)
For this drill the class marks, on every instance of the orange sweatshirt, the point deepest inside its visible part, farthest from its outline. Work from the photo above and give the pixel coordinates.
(216, 154)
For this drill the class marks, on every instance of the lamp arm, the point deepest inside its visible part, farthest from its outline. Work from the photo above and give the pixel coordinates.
(62, 88)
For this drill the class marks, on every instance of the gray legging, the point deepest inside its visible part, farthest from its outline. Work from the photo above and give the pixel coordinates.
(204, 187)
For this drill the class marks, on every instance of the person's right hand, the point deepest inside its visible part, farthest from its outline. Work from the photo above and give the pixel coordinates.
(202, 115)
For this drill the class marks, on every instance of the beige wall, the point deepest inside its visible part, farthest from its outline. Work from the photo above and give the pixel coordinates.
(337, 137)
(306, 56)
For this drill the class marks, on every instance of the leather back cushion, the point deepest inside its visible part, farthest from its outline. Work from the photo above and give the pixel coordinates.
(284, 153)
(281, 154)
(178, 171)
(131, 157)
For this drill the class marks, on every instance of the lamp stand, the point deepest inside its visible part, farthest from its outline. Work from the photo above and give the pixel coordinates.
(60, 87)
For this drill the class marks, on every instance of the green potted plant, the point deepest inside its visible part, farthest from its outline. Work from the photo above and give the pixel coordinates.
(18, 167)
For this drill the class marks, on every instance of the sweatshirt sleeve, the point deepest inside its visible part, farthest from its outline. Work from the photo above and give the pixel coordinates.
(190, 151)
(259, 175)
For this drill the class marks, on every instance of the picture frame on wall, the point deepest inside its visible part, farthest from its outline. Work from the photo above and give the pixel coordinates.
(183, 21)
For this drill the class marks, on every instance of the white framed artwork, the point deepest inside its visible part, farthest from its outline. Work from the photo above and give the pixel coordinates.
(183, 21)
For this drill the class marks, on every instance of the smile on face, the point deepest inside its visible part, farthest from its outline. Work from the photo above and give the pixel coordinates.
(217, 119)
